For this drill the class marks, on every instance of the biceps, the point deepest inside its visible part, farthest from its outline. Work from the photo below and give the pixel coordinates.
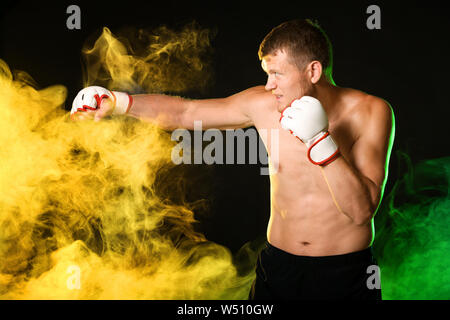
(371, 153)
(370, 161)
(215, 113)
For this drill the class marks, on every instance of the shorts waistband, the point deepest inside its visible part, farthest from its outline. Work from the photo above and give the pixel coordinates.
(361, 256)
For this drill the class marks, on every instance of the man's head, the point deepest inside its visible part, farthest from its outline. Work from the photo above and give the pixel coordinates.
(295, 55)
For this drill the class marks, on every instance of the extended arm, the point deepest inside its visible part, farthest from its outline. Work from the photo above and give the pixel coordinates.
(171, 112)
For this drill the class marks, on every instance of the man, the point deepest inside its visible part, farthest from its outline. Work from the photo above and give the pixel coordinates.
(331, 166)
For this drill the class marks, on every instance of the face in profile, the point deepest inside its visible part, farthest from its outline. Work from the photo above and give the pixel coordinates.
(284, 79)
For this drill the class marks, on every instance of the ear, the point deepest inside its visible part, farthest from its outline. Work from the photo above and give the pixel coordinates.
(314, 71)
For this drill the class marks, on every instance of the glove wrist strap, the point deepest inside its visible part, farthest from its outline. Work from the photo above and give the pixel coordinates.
(122, 102)
(323, 150)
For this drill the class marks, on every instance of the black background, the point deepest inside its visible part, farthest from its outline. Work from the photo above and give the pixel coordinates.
(406, 63)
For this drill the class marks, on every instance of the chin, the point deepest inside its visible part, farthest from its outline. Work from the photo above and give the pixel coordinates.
(281, 106)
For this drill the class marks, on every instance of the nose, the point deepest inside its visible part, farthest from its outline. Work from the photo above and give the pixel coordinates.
(271, 84)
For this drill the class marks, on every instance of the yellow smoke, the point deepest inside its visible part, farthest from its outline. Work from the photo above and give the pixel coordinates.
(79, 214)
(159, 61)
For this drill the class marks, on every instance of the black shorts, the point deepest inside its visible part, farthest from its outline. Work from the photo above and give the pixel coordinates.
(284, 276)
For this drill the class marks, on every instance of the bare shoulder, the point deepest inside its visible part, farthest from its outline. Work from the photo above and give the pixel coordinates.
(368, 109)
(254, 98)
(377, 106)
(257, 91)
(372, 120)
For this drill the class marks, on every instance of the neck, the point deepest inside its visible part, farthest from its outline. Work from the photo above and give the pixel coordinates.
(328, 95)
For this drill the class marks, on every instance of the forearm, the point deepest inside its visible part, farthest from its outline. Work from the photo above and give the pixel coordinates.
(165, 111)
(356, 195)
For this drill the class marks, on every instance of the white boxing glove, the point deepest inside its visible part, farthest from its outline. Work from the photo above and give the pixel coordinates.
(90, 98)
(306, 119)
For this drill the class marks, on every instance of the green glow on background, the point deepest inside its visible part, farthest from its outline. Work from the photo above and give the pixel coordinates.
(412, 242)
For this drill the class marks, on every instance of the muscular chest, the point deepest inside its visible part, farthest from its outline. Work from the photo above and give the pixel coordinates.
(286, 151)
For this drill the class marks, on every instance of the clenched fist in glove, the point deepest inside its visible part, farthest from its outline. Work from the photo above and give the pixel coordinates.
(306, 119)
(99, 102)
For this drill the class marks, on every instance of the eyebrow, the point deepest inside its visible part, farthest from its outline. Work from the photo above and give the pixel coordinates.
(271, 70)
